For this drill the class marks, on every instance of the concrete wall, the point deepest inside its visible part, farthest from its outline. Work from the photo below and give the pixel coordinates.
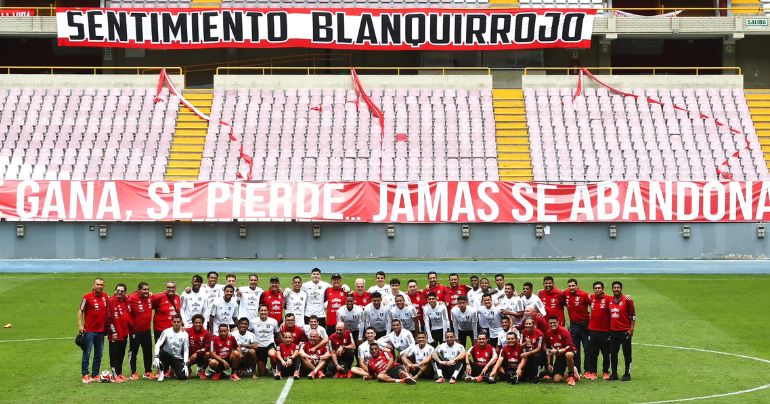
(751, 54)
(474, 81)
(341, 240)
(85, 80)
(629, 81)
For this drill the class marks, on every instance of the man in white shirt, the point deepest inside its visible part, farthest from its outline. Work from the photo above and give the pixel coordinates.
(448, 359)
(377, 315)
(193, 302)
(397, 340)
(499, 285)
(247, 344)
(380, 286)
(315, 289)
(502, 336)
(511, 304)
(465, 321)
(295, 300)
(224, 310)
(406, 314)
(474, 294)
(418, 358)
(362, 370)
(490, 319)
(352, 316)
(389, 299)
(212, 291)
(266, 330)
(530, 299)
(172, 350)
(248, 305)
(436, 320)
(314, 325)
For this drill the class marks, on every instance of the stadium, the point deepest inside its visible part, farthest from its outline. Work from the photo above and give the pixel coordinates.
(444, 151)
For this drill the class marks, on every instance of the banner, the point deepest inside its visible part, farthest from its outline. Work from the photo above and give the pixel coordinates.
(17, 12)
(355, 29)
(374, 202)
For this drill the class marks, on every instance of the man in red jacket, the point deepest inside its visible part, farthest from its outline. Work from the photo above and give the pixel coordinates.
(335, 298)
(94, 309)
(166, 305)
(140, 308)
(118, 331)
(599, 333)
(553, 299)
(578, 303)
(622, 323)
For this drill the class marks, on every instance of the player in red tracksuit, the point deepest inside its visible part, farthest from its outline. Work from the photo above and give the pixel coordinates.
(561, 352)
(435, 287)
(622, 323)
(510, 364)
(335, 298)
(599, 333)
(553, 299)
(382, 367)
(532, 346)
(118, 331)
(224, 353)
(167, 305)
(484, 359)
(93, 318)
(140, 307)
(290, 324)
(454, 290)
(578, 303)
(418, 300)
(273, 299)
(286, 354)
(200, 342)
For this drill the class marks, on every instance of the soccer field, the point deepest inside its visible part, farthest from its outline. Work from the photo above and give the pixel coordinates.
(720, 316)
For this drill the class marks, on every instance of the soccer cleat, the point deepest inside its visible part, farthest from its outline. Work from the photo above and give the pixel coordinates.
(311, 375)
(468, 379)
(86, 379)
(626, 377)
(168, 373)
(161, 376)
(216, 376)
(296, 375)
(134, 376)
(570, 381)
(491, 380)
(514, 379)
(149, 375)
(452, 381)
(321, 374)
(409, 380)
(546, 377)
(277, 376)
(95, 379)
(234, 377)
(614, 376)
(587, 375)
(350, 375)
(606, 376)
(440, 380)
(479, 379)
(202, 374)
(577, 374)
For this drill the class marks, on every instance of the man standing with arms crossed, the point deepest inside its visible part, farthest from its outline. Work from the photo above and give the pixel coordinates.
(119, 330)
(193, 302)
(315, 289)
(553, 298)
(295, 300)
(95, 311)
(599, 333)
(335, 298)
(166, 305)
(578, 303)
(622, 323)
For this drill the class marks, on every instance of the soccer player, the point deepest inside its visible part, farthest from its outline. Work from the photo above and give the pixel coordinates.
(389, 299)
(499, 285)
(286, 357)
(364, 355)
(553, 298)
(465, 321)
(361, 296)
(448, 359)
(474, 293)
(352, 316)
(622, 323)
(490, 319)
(455, 290)
(510, 363)
(578, 303)
(376, 315)
(313, 325)
(418, 358)
(528, 299)
(379, 285)
(532, 350)
(598, 333)
(224, 310)
(200, 341)
(434, 287)
(480, 361)
(295, 300)
(484, 288)
(436, 320)
(540, 322)
(248, 299)
(407, 315)
(166, 305)
(267, 332)
(335, 298)
(418, 301)
(224, 353)
(290, 325)
(314, 355)
(93, 317)
(247, 344)
(172, 350)
(315, 289)
(140, 307)
(193, 302)
(212, 291)
(343, 349)
(118, 330)
(273, 299)
(511, 305)
(561, 352)
(383, 368)
(398, 339)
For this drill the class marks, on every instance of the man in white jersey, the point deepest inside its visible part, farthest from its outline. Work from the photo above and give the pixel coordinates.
(248, 304)
(389, 299)
(376, 315)
(530, 299)
(295, 300)
(193, 302)
(511, 304)
(448, 359)
(502, 336)
(418, 358)
(499, 288)
(172, 350)
(436, 320)
(397, 340)
(266, 330)
(465, 321)
(352, 316)
(490, 319)
(247, 344)
(363, 356)
(315, 289)
(314, 325)
(474, 294)
(406, 314)
(212, 291)
(224, 310)
(379, 285)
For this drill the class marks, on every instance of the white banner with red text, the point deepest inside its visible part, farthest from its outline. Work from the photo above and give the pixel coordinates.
(355, 29)
(374, 202)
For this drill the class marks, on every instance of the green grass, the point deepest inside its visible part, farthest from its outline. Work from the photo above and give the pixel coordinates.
(716, 312)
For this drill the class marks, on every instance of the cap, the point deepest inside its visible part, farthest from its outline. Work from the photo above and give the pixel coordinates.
(274, 279)
(336, 276)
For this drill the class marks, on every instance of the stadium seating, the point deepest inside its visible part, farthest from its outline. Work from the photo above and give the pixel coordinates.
(561, 3)
(611, 137)
(450, 135)
(115, 133)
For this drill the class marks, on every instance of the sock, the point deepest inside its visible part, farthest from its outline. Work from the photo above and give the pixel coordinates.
(399, 381)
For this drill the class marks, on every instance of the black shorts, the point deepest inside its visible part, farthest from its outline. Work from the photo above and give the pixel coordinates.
(262, 352)
(395, 371)
(200, 360)
(560, 365)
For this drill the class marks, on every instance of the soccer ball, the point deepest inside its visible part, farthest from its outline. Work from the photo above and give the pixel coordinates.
(105, 377)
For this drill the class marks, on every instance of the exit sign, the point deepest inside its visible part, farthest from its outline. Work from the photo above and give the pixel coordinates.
(756, 22)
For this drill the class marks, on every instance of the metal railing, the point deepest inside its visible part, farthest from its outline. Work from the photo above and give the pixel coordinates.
(364, 70)
(87, 70)
(652, 70)
(49, 11)
(311, 59)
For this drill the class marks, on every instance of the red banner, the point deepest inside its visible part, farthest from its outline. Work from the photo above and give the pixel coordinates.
(426, 202)
(346, 28)
(17, 12)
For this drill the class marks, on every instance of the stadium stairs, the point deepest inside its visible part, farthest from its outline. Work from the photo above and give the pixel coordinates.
(210, 3)
(759, 107)
(513, 155)
(184, 161)
(503, 3)
(746, 7)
